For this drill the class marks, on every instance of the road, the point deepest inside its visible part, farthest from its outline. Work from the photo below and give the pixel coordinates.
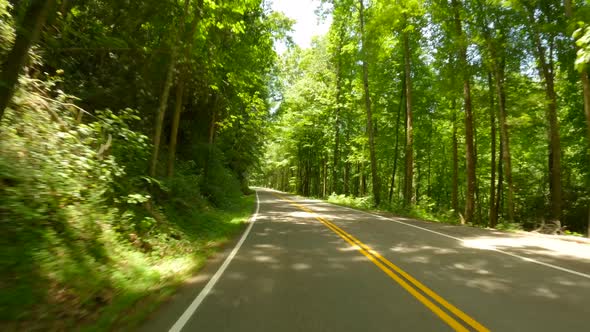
(306, 265)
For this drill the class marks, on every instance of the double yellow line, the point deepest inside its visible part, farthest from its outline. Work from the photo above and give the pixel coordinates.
(422, 293)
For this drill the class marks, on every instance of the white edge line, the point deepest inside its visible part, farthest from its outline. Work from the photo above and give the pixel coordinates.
(530, 260)
(189, 312)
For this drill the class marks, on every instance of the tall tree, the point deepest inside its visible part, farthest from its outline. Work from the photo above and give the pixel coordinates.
(493, 217)
(543, 50)
(495, 43)
(396, 149)
(469, 142)
(409, 188)
(370, 128)
(185, 65)
(340, 35)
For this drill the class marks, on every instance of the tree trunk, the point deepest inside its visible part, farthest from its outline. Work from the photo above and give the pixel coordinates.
(347, 166)
(492, 216)
(499, 192)
(325, 177)
(299, 182)
(370, 129)
(347, 178)
(356, 183)
(477, 193)
(318, 176)
(396, 151)
(175, 124)
(554, 160)
(429, 155)
(504, 137)
(408, 188)
(180, 87)
(418, 178)
(162, 113)
(336, 160)
(335, 187)
(469, 145)
(27, 33)
(455, 184)
(211, 138)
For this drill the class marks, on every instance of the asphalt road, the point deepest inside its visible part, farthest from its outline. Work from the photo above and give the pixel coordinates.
(310, 266)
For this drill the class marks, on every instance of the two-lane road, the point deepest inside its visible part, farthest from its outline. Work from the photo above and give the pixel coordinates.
(306, 265)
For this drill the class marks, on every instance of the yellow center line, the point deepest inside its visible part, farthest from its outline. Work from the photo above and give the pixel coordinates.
(383, 263)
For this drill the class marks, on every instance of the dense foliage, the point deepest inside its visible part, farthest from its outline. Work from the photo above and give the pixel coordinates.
(475, 110)
(128, 129)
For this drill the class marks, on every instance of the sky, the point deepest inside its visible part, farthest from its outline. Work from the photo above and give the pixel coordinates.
(307, 24)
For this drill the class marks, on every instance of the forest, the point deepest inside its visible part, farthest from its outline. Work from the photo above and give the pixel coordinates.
(476, 112)
(128, 130)
(131, 132)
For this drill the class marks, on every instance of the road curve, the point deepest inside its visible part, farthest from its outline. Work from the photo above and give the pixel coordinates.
(306, 265)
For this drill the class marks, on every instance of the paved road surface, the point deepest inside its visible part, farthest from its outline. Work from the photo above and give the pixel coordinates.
(312, 266)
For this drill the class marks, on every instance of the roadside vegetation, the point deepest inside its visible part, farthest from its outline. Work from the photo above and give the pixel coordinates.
(475, 112)
(127, 132)
(131, 130)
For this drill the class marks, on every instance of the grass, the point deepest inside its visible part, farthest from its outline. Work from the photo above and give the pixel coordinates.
(423, 212)
(173, 261)
(99, 280)
(90, 243)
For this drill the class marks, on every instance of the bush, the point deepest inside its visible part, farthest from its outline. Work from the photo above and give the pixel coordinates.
(356, 202)
(219, 184)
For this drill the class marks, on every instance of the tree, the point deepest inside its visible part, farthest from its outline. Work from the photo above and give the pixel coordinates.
(545, 66)
(469, 144)
(27, 32)
(477, 67)
(370, 128)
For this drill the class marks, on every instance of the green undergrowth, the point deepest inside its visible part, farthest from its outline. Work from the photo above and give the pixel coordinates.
(422, 211)
(89, 242)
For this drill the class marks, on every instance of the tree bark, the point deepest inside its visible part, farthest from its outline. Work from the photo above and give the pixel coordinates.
(370, 129)
(325, 177)
(455, 184)
(396, 151)
(492, 216)
(504, 137)
(547, 75)
(181, 87)
(211, 138)
(409, 178)
(336, 161)
(499, 189)
(336, 158)
(498, 67)
(175, 124)
(469, 144)
(162, 113)
(27, 33)
(347, 165)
